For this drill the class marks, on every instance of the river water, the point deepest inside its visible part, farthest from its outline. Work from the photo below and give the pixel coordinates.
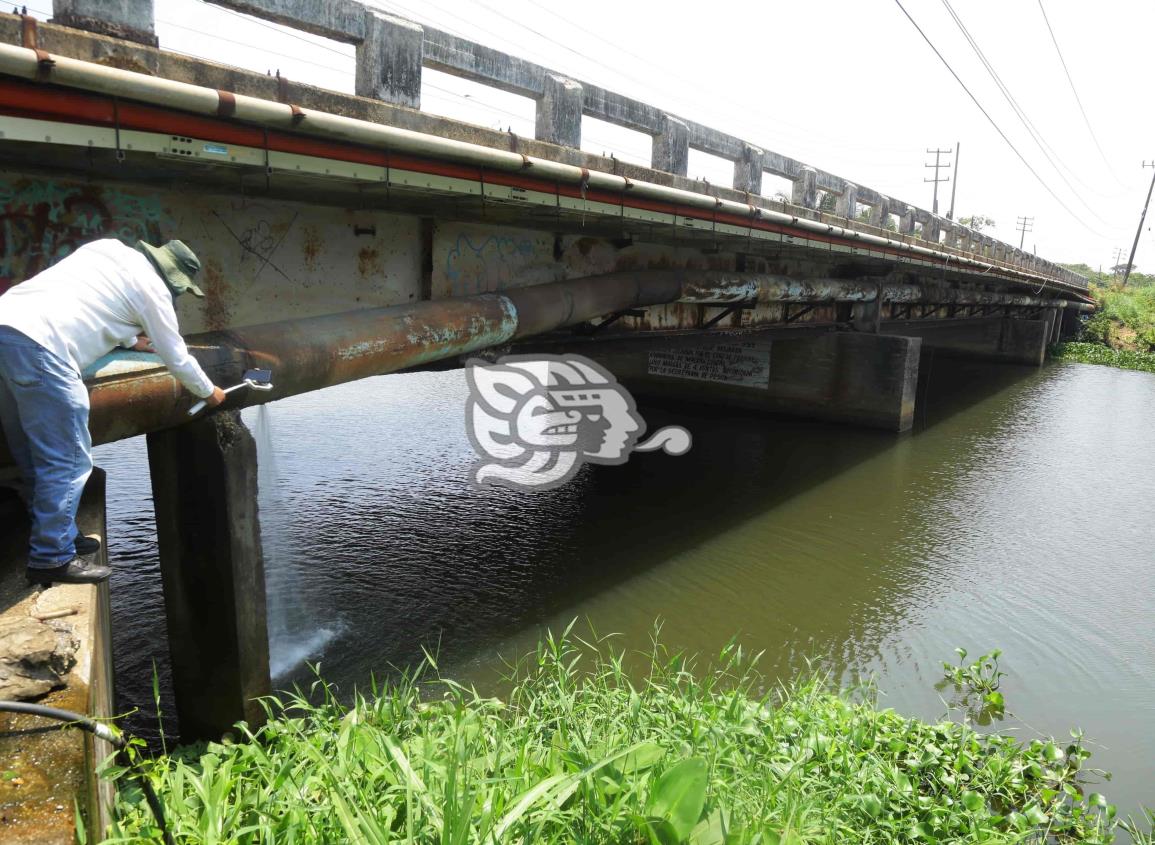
(1017, 515)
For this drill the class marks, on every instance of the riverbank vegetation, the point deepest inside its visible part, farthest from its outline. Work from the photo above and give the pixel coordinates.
(584, 751)
(1121, 333)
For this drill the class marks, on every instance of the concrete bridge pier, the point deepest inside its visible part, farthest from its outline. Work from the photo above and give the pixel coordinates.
(1005, 339)
(204, 482)
(1070, 324)
(845, 377)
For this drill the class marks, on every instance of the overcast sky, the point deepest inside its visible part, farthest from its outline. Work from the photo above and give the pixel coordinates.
(846, 85)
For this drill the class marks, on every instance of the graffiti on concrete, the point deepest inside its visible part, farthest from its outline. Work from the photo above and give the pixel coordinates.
(259, 241)
(42, 221)
(487, 265)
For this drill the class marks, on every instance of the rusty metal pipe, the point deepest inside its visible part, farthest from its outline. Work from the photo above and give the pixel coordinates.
(305, 355)
(318, 352)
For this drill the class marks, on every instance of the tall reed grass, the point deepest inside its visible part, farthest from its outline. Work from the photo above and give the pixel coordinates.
(585, 749)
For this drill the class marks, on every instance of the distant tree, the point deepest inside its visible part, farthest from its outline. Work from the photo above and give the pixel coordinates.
(1112, 275)
(827, 203)
(977, 222)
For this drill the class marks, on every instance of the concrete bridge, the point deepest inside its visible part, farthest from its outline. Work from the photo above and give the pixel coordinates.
(349, 236)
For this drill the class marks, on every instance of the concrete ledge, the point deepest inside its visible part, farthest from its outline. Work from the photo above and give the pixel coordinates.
(45, 772)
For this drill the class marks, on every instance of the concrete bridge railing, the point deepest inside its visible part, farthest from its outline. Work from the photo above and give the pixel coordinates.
(391, 53)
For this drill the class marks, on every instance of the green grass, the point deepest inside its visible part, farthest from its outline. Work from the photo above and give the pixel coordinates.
(584, 751)
(1125, 319)
(1096, 353)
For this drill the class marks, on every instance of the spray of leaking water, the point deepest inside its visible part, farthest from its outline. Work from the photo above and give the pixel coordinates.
(294, 635)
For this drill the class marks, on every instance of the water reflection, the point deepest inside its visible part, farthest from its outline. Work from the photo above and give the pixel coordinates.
(1013, 516)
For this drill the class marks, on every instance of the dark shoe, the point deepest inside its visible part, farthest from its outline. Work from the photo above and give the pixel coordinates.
(87, 545)
(76, 571)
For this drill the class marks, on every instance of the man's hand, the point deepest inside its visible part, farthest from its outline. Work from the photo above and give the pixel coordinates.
(217, 397)
(143, 344)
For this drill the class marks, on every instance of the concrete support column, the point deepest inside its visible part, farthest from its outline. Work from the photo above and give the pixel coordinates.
(867, 316)
(1070, 324)
(847, 377)
(204, 483)
(930, 229)
(1004, 339)
(389, 60)
(880, 213)
(906, 222)
(847, 202)
(671, 147)
(805, 190)
(131, 19)
(559, 112)
(748, 170)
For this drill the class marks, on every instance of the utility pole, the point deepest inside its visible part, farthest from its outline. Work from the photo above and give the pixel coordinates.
(1116, 261)
(1024, 225)
(954, 185)
(1142, 217)
(937, 166)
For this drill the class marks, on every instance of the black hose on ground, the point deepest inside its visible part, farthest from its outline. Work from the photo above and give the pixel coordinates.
(101, 731)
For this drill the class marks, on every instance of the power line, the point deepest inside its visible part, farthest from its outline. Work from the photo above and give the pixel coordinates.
(687, 81)
(1078, 100)
(991, 120)
(278, 29)
(614, 73)
(1045, 148)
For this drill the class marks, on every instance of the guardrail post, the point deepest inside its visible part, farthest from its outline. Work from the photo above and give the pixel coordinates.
(671, 147)
(906, 221)
(559, 112)
(130, 19)
(846, 203)
(389, 60)
(748, 170)
(805, 190)
(930, 229)
(880, 212)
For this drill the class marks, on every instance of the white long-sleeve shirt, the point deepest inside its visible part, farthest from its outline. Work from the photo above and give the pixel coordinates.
(102, 295)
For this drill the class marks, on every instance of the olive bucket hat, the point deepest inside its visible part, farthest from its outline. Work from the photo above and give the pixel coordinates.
(176, 264)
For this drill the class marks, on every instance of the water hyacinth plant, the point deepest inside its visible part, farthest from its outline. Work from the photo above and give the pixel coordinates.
(583, 751)
(1094, 353)
(980, 680)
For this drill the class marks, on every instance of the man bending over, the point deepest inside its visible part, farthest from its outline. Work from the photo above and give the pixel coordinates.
(52, 327)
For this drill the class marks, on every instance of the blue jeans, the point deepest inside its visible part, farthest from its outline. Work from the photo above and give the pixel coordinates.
(44, 410)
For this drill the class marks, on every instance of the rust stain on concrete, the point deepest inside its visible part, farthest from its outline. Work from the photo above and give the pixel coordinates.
(311, 244)
(216, 290)
(369, 262)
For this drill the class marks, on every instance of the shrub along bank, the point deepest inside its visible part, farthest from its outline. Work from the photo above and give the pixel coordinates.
(1121, 333)
(582, 751)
